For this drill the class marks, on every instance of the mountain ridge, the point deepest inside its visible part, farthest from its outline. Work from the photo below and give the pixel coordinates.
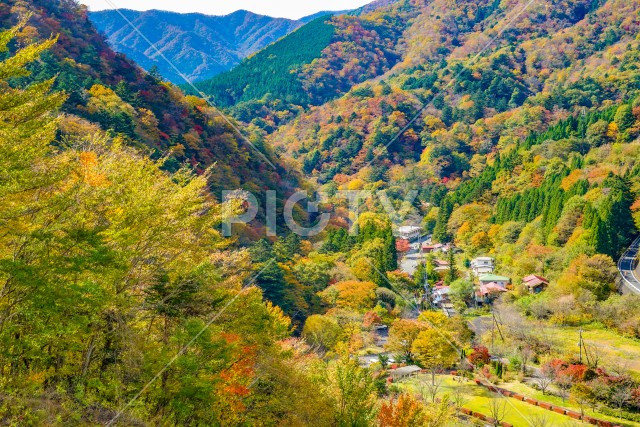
(200, 45)
(109, 91)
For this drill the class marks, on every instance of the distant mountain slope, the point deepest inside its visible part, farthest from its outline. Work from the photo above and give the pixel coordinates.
(271, 70)
(316, 63)
(307, 19)
(546, 64)
(108, 90)
(201, 46)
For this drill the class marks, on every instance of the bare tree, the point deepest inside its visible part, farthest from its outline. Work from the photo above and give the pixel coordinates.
(619, 367)
(594, 355)
(564, 385)
(433, 386)
(497, 410)
(526, 353)
(543, 379)
(600, 391)
(621, 396)
(539, 420)
(458, 397)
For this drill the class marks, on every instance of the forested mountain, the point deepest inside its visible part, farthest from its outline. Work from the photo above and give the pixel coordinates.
(320, 61)
(553, 93)
(200, 45)
(518, 126)
(106, 90)
(544, 62)
(120, 302)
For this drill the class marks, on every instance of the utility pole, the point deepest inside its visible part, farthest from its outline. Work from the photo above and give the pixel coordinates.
(493, 329)
(495, 325)
(580, 344)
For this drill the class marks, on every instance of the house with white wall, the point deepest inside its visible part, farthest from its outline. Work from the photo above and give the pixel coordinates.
(483, 265)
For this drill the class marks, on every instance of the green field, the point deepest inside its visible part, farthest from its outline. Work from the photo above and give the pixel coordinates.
(517, 413)
(525, 390)
(615, 351)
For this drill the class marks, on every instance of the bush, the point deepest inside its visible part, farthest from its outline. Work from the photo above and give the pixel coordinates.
(515, 362)
(616, 413)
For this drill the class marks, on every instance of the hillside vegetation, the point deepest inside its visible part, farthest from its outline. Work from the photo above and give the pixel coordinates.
(320, 61)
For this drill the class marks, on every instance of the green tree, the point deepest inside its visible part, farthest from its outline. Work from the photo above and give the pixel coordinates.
(461, 293)
(354, 389)
(597, 133)
(452, 274)
(624, 117)
(321, 331)
(440, 233)
(285, 248)
(420, 275)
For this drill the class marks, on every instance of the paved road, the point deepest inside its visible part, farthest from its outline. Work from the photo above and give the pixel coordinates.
(410, 261)
(627, 266)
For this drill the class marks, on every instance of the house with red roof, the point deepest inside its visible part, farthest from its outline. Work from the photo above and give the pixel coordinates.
(535, 283)
(432, 247)
(487, 292)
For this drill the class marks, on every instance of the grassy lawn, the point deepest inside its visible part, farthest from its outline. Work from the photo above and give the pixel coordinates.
(517, 413)
(614, 349)
(525, 390)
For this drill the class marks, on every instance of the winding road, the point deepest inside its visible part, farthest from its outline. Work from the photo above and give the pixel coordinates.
(627, 265)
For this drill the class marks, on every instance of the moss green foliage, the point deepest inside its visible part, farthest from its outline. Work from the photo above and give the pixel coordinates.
(273, 70)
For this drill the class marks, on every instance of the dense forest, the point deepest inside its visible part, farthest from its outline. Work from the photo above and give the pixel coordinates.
(308, 67)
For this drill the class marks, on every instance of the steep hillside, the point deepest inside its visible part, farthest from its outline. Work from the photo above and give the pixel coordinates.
(110, 91)
(319, 62)
(270, 71)
(121, 304)
(551, 89)
(544, 63)
(116, 284)
(200, 45)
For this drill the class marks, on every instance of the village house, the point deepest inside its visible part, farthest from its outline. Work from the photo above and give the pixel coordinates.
(441, 267)
(432, 247)
(440, 263)
(535, 284)
(441, 295)
(483, 265)
(487, 293)
(409, 232)
(451, 247)
(501, 281)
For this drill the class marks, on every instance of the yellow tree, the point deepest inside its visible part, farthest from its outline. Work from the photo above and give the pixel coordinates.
(402, 334)
(351, 294)
(434, 349)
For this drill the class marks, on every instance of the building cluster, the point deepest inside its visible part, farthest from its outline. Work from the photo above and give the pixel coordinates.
(488, 284)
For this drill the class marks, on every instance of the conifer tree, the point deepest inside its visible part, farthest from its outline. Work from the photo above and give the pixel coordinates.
(440, 233)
